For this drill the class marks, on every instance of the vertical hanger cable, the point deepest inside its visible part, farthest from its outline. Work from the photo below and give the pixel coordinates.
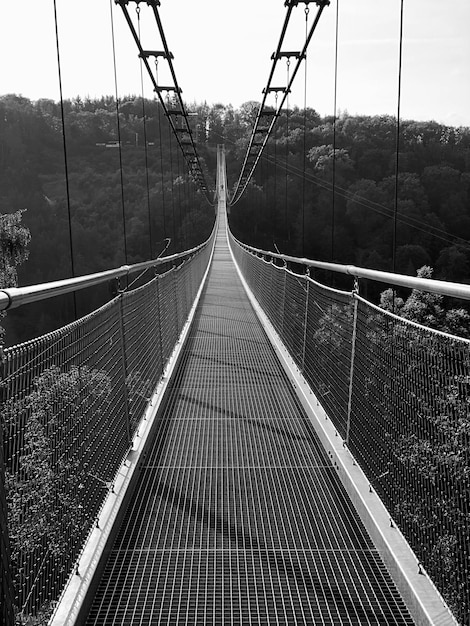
(397, 160)
(304, 165)
(119, 133)
(333, 209)
(137, 9)
(64, 145)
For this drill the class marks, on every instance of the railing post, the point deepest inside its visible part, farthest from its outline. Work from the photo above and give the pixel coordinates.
(6, 591)
(124, 366)
(283, 302)
(353, 355)
(160, 340)
(307, 276)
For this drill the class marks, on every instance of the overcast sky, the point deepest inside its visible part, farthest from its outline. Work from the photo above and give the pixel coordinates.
(222, 52)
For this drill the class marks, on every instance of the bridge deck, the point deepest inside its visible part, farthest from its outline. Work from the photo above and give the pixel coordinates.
(238, 516)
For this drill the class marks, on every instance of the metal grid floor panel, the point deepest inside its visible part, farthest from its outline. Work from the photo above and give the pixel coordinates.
(248, 587)
(262, 508)
(244, 442)
(238, 517)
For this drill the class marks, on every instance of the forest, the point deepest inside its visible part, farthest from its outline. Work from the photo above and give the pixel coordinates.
(325, 189)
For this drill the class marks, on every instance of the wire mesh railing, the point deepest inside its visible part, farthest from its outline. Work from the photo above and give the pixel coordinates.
(73, 400)
(398, 394)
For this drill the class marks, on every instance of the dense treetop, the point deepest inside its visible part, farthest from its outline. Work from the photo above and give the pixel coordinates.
(146, 195)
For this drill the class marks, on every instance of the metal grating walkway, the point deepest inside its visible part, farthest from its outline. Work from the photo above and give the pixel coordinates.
(238, 517)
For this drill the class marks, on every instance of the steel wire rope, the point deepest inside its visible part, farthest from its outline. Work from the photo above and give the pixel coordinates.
(236, 195)
(382, 209)
(304, 156)
(287, 230)
(119, 132)
(273, 221)
(264, 177)
(290, 6)
(377, 207)
(172, 187)
(137, 10)
(143, 272)
(64, 148)
(412, 222)
(161, 157)
(191, 156)
(177, 91)
(335, 104)
(397, 160)
(394, 349)
(178, 187)
(187, 196)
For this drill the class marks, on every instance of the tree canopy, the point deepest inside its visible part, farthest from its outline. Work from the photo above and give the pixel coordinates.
(151, 197)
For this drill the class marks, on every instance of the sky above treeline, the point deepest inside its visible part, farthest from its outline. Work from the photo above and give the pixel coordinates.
(222, 53)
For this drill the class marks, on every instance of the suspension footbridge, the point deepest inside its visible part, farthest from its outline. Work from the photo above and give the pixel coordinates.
(228, 441)
(238, 515)
(235, 499)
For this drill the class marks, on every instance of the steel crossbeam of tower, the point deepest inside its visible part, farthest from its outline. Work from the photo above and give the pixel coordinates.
(267, 115)
(174, 108)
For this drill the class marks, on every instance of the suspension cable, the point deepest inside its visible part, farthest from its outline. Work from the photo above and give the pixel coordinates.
(397, 161)
(273, 221)
(119, 133)
(183, 134)
(381, 209)
(304, 159)
(173, 217)
(161, 162)
(180, 218)
(286, 220)
(267, 117)
(64, 147)
(137, 10)
(335, 105)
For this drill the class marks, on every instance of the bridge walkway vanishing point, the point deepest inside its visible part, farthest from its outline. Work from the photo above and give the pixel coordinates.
(238, 516)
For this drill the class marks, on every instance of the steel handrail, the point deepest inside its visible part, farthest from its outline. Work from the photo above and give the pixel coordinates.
(13, 297)
(444, 288)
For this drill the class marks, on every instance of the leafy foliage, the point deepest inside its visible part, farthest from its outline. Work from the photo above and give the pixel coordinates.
(410, 424)
(432, 449)
(44, 494)
(104, 215)
(355, 223)
(277, 210)
(44, 490)
(14, 240)
(428, 309)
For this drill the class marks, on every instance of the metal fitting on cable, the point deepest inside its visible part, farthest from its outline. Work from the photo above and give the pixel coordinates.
(295, 3)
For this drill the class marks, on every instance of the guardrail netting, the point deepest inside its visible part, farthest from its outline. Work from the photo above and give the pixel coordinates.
(399, 396)
(73, 400)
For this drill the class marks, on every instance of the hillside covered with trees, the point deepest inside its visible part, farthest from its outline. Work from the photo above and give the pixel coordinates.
(121, 204)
